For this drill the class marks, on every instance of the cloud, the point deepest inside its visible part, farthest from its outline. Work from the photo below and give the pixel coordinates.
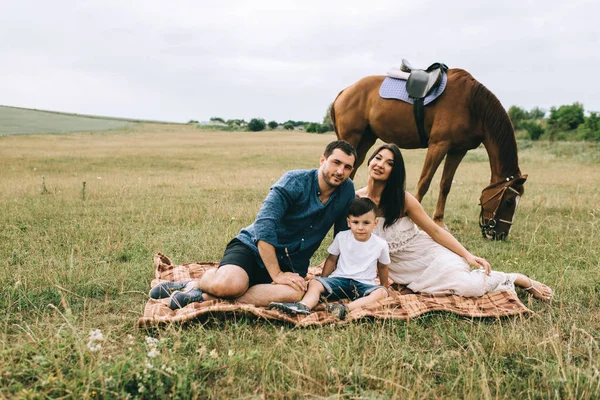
(281, 59)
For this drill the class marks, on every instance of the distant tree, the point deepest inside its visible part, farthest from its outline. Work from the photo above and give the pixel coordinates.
(322, 128)
(235, 122)
(217, 119)
(296, 123)
(593, 122)
(591, 127)
(534, 130)
(256, 124)
(192, 121)
(273, 124)
(312, 127)
(327, 119)
(289, 126)
(517, 114)
(566, 117)
(537, 113)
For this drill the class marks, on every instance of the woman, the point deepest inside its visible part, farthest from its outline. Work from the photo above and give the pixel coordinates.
(429, 260)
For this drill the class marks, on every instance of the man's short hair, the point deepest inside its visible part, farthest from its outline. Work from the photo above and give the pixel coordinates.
(342, 145)
(360, 206)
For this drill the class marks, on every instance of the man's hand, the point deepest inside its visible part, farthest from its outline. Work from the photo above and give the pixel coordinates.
(291, 279)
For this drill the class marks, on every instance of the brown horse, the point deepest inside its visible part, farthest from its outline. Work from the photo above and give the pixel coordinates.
(464, 116)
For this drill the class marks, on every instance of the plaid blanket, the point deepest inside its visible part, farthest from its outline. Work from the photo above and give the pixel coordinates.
(402, 304)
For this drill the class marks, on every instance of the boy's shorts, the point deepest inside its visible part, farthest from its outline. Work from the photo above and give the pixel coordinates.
(345, 288)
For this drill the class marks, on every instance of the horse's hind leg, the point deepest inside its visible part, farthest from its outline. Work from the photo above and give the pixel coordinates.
(357, 132)
(366, 141)
(453, 159)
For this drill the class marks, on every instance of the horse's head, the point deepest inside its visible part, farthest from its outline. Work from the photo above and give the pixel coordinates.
(498, 205)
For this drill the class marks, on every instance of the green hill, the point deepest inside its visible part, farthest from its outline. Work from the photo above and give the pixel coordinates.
(22, 121)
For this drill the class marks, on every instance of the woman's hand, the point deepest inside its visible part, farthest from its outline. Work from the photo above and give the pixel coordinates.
(479, 262)
(291, 279)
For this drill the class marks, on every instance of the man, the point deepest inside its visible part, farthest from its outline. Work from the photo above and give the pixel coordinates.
(268, 260)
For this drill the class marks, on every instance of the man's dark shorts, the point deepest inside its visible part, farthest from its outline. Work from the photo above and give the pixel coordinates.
(237, 253)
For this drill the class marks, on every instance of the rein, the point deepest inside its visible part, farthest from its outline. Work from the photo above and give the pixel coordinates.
(488, 225)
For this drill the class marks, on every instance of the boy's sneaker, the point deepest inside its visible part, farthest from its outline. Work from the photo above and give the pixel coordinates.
(182, 299)
(164, 290)
(290, 308)
(337, 309)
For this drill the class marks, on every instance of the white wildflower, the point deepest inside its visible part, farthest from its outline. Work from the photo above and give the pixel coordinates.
(96, 335)
(153, 353)
(94, 346)
(151, 342)
(149, 365)
(230, 353)
(214, 354)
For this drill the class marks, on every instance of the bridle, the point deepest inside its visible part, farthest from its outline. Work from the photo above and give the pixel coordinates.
(488, 218)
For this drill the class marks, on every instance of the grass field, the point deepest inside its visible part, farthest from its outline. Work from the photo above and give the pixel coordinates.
(78, 258)
(24, 121)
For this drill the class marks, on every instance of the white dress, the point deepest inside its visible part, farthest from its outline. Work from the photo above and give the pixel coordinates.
(425, 266)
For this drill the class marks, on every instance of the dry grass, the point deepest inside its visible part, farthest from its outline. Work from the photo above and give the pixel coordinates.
(75, 262)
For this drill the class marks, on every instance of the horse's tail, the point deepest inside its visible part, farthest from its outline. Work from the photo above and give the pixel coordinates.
(332, 115)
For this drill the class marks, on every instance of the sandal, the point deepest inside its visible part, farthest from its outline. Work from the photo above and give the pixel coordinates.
(537, 293)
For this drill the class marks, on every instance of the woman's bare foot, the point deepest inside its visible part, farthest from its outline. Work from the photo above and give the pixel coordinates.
(539, 290)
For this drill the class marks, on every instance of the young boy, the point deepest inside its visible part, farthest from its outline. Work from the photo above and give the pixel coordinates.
(359, 255)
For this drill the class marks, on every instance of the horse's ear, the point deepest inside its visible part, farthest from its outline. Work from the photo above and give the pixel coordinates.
(521, 180)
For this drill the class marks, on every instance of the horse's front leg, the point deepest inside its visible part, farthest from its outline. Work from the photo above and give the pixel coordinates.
(435, 155)
(453, 159)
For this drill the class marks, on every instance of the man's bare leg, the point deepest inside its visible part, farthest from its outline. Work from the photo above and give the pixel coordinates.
(228, 281)
(263, 294)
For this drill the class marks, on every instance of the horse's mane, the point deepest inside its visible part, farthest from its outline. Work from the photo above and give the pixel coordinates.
(487, 109)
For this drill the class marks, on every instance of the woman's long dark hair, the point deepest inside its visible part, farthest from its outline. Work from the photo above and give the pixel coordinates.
(391, 202)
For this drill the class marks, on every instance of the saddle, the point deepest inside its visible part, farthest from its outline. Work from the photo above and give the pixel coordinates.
(419, 83)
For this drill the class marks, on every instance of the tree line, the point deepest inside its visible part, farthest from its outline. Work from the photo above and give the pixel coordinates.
(567, 122)
(259, 124)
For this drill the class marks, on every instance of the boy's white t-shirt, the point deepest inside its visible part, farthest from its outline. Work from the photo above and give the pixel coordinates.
(358, 260)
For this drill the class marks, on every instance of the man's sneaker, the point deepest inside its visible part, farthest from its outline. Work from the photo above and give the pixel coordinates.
(290, 308)
(182, 299)
(164, 290)
(337, 309)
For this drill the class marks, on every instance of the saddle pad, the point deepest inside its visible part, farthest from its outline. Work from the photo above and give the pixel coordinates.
(393, 88)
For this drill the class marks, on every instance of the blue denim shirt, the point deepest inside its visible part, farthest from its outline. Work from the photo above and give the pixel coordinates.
(294, 221)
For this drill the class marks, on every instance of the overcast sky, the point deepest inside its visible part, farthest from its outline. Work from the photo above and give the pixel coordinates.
(280, 60)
